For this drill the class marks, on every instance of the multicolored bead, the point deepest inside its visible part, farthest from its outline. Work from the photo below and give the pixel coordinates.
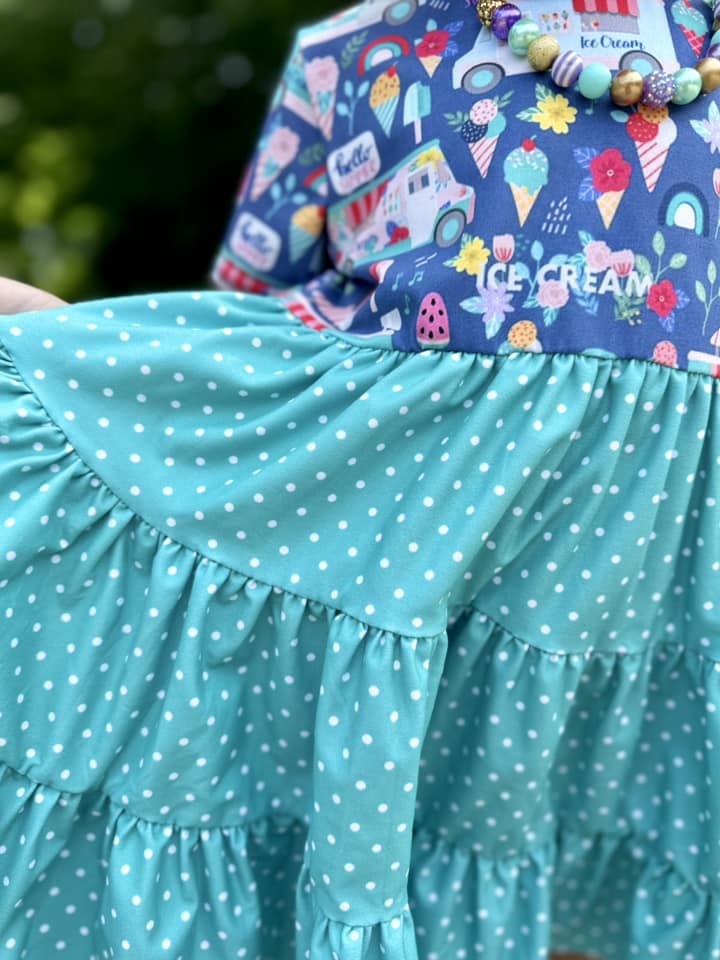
(504, 19)
(688, 86)
(627, 88)
(543, 52)
(567, 69)
(522, 35)
(594, 81)
(709, 70)
(658, 89)
(486, 9)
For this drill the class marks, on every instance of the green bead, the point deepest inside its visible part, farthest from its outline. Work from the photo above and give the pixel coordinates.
(594, 81)
(688, 86)
(522, 35)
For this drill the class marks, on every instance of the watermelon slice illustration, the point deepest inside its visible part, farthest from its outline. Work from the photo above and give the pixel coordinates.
(433, 326)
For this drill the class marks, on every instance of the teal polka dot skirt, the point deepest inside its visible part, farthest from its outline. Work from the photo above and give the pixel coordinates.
(317, 649)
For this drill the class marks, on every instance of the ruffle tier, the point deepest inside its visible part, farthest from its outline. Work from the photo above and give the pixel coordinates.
(82, 877)
(514, 751)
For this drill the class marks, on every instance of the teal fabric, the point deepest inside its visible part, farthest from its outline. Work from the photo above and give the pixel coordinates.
(313, 648)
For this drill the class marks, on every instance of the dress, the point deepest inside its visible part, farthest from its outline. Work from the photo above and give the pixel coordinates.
(376, 618)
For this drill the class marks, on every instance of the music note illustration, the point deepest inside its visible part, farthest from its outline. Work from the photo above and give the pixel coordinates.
(397, 281)
(417, 278)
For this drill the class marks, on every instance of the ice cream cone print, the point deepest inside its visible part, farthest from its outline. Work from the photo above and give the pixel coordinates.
(692, 23)
(306, 226)
(384, 98)
(481, 133)
(654, 153)
(694, 39)
(385, 114)
(431, 63)
(483, 152)
(524, 201)
(322, 76)
(607, 204)
(280, 150)
(526, 172)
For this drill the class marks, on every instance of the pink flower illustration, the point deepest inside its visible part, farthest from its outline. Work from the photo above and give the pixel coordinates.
(622, 262)
(553, 294)
(322, 73)
(504, 247)
(283, 145)
(597, 255)
(716, 180)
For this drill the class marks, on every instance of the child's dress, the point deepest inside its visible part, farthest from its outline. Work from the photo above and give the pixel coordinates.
(380, 618)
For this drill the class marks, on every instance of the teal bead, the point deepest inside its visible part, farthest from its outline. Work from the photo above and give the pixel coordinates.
(522, 35)
(688, 86)
(594, 81)
(715, 38)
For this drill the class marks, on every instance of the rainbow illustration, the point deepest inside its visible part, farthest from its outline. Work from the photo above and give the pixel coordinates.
(317, 180)
(380, 51)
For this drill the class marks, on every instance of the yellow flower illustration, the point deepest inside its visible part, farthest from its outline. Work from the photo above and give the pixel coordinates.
(472, 257)
(555, 113)
(431, 155)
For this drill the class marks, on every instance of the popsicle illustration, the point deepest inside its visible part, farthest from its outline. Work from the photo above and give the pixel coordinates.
(416, 107)
(526, 171)
(432, 328)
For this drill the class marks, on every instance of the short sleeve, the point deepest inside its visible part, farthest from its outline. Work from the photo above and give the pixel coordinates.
(276, 235)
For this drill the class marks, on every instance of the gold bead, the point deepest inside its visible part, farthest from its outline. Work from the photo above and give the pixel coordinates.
(709, 70)
(543, 52)
(486, 9)
(627, 88)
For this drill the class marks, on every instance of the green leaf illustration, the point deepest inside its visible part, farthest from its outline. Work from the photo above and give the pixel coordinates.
(659, 244)
(678, 261)
(312, 155)
(700, 292)
(712, 272)
(352, 47)
(456, 120)
(642, 265)
(550, 315)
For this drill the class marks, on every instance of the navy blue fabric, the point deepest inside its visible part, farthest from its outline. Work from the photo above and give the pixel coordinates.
(393, 197)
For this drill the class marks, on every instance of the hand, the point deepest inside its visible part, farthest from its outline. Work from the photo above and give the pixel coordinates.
(18, 297)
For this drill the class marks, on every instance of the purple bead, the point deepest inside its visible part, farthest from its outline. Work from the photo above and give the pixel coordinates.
(504, 19)
(716, 10)
(567, 68)
(658, 88)
(714, 51)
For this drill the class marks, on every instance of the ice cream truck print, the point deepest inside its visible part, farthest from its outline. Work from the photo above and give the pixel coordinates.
(577, 25)
(417, 202)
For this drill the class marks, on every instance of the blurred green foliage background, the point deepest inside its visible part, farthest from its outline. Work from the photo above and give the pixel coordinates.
(124, 127)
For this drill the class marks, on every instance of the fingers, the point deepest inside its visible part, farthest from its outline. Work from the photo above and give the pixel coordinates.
(16, 297)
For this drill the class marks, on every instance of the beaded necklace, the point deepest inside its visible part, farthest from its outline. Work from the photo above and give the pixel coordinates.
(656, 90)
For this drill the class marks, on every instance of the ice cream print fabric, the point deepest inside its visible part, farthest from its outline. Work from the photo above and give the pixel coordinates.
(411, 163)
